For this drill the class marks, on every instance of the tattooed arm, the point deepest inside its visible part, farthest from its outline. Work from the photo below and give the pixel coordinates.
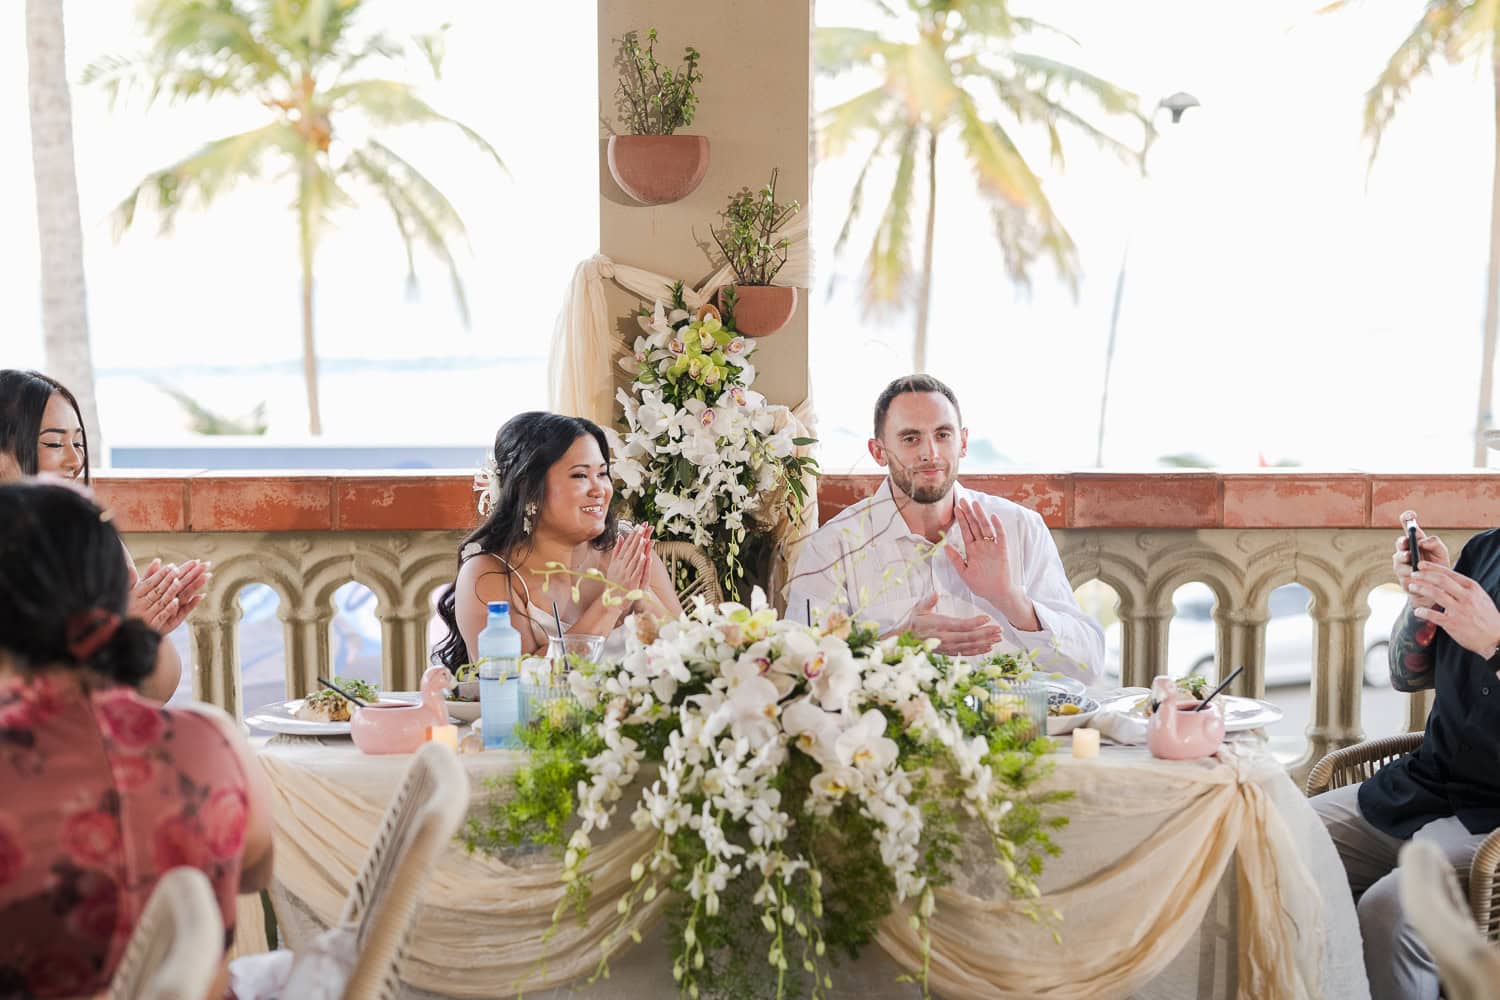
(1411, 652)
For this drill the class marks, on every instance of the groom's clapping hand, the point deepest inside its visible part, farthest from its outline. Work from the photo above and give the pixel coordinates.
(959, 636)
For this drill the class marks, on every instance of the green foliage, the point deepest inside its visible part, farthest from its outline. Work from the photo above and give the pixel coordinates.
(749, 239)
(202, 420)
(961, 73)
(653, 99)
(302, 63)
(538, 800)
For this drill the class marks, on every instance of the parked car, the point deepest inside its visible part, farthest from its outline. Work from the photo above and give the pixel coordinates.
(1289, 635)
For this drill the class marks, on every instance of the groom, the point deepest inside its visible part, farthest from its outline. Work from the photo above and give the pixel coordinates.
(997, 578)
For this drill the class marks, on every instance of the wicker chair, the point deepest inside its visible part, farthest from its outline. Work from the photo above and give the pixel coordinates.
(1468, 964)
(1356, 763)
(175, 949)
(691, 571)
(418, 827)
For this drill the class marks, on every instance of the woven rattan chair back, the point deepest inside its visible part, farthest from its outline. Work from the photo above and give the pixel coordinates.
(418, 827)
(175, 949)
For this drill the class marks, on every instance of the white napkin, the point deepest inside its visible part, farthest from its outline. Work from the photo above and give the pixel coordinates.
(1115, 720)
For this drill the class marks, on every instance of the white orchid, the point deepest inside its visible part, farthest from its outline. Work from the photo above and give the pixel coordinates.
(864, 745)
(813, 731)
(741, 694)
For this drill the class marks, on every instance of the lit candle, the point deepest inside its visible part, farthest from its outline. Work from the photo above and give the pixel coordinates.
(446, 735)
(1085, 742)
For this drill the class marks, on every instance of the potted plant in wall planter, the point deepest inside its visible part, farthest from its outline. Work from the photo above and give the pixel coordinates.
(652, 164)
(754, 248)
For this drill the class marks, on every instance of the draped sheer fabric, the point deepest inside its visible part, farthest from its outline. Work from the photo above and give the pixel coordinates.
(1144, 884)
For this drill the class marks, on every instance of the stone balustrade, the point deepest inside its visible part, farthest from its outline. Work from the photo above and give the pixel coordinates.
(1143, 535)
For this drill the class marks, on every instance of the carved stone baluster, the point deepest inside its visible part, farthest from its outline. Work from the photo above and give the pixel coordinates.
(1240, 641)
(1338, 637)
(216, 658)
(1144, 638)
(403, 636)
(306, 630)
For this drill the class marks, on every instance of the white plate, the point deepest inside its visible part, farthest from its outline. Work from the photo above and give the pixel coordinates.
(1240, 714)
(281, 717)
(1063, 683)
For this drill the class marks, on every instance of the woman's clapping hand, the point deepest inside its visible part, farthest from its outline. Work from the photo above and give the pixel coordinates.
(630, 560)
(167, 593)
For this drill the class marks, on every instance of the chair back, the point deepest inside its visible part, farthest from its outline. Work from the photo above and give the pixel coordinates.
(692, 573)
(177, 947)
(1468, 964)
(418, 827)
(1353, 764)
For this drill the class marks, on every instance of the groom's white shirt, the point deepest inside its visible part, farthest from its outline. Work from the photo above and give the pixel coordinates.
(866, 561)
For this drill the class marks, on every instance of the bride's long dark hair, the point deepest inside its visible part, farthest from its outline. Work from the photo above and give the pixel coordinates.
(525, 448)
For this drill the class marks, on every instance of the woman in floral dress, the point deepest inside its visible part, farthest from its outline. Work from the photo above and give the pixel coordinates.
(101, 791)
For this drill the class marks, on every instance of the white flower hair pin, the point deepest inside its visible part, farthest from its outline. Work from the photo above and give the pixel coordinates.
(487, 485)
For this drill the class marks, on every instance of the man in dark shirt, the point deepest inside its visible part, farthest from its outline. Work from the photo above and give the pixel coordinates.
(1448, 790)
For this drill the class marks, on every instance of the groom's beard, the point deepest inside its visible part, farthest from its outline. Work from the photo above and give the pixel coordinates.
(923, 489)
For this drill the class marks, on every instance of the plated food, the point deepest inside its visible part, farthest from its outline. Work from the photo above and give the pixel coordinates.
(330, 706)
(1067, 711)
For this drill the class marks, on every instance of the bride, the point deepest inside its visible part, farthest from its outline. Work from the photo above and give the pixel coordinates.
(548, 497)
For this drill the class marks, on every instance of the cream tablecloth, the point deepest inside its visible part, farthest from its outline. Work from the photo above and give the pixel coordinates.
(1152, 905)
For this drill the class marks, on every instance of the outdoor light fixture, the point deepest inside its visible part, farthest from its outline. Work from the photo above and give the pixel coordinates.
(1178, 103)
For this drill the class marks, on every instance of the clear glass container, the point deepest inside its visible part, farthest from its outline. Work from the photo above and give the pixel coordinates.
(1021, 704)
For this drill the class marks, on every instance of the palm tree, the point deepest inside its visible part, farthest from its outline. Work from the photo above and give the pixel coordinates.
(957, 74)
(1453, 31)
(301, 59)
(65, 323)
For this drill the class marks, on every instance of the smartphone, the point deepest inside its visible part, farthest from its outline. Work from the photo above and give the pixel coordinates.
(1413, 551)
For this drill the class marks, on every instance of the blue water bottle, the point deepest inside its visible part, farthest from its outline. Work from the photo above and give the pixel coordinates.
(499, 678)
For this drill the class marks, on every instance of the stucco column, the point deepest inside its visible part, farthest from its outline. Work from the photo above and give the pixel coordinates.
(215, 658)
(1240, 634)
(755, 108)
(403, 631)
(307, 657)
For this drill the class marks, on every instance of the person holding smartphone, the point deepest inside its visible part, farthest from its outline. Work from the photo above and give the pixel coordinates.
(1448, 790)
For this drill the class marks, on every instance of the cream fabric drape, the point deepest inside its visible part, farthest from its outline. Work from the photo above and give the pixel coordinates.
(1140, 884)
(586, 343)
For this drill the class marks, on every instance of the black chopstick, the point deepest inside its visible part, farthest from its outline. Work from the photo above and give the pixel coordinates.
(340, 691)
(1222, 685)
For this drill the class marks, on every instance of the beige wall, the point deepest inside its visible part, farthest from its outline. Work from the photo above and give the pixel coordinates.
(754, 107)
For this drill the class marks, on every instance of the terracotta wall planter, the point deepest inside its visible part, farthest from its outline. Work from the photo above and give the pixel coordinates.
(657, 169)
(761, 310)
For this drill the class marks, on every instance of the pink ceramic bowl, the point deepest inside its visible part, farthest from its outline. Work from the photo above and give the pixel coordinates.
(389, 727)
(400, 727)
(1176, 732)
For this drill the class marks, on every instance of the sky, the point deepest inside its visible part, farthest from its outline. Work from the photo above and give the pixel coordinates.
(1279, 299)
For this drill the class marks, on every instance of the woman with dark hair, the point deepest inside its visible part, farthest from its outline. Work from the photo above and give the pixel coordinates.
(101, 791)
(41, 432)
(549, 500)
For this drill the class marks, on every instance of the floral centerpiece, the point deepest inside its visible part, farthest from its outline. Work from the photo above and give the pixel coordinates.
(808, 780)
(704, 458)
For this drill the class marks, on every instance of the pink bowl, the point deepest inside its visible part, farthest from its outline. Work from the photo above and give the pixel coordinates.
(389, 727)
(1176, 732)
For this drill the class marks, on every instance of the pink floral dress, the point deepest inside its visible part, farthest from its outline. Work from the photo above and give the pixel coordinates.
(101, 792)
